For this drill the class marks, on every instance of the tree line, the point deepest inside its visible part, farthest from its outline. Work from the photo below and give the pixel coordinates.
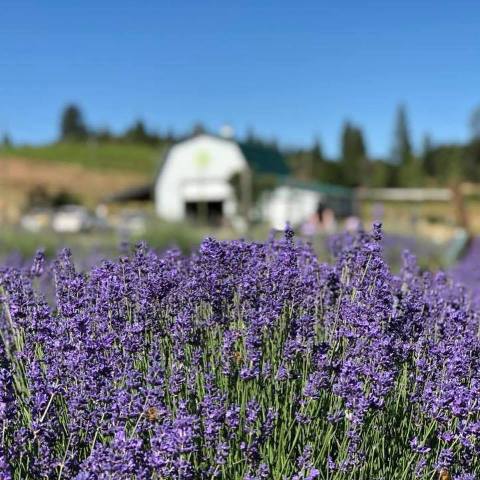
(433, 165)
(73, 128)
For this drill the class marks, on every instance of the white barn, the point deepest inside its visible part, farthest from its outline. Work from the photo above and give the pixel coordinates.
(294, 201)
(216, 179)
(211, 176)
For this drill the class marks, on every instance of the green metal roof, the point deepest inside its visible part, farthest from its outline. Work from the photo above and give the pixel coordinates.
(264, 159)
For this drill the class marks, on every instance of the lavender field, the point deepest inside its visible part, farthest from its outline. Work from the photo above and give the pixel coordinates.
(242, 360)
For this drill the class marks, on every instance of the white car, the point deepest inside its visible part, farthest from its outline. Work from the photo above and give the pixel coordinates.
(134, 223)
(36, 220)
(71, 219)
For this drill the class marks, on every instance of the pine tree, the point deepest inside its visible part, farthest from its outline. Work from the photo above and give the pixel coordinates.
(428, 157)
(6, 141)
(402, 149)
(354, 156)
(316, 162)
(317, 153)
(473, 147)
(410, 170)
(198, 128)
(137, 133)
(72, 126)
(475, 124)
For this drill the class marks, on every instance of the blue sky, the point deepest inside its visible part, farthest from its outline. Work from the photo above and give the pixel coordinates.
(290, 70)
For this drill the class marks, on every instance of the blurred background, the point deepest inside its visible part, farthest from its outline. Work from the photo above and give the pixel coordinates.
(169, 121)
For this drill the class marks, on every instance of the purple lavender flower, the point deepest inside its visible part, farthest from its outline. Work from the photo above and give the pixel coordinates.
(241, 360)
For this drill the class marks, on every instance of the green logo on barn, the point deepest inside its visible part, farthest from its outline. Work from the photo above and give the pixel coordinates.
(202, 159)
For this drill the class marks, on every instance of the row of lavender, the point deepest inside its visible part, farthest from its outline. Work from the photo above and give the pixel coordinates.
(241, 361)
(467, 269)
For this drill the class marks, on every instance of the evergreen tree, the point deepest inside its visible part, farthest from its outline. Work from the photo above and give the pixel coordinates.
(6, 141)
(198, 128)
(137, 133)
(473, 148)
(354, 156)
(317, 153)
(475, 124)
(402, 149)
(449, 162)
(410, 170)
(104, 135)
(428, 157)
(317, 161)
(251, 136)
(72, 126)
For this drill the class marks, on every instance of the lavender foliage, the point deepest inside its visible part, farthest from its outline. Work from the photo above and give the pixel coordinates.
(241, 361)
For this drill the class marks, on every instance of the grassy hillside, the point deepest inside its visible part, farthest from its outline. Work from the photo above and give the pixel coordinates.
(20, 176)
(142, 159)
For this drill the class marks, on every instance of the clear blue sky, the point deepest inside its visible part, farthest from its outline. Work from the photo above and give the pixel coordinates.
(290, 69)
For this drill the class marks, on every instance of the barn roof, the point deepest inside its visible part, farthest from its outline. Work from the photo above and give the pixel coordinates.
(264, 159)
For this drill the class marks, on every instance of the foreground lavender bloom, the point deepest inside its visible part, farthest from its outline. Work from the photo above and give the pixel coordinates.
(241, 361)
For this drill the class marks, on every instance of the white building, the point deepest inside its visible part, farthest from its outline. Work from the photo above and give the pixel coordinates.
(211, 177)
(216, 179)
(294, 202)
(286, 204)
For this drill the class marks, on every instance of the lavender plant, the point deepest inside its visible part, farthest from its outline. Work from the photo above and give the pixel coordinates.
(241, 361)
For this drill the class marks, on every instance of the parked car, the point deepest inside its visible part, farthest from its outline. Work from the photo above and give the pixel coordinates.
(72, 219)
(36, 219)
(133, 222)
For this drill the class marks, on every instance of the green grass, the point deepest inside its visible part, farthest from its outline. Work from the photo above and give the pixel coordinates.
(159, 235)
(27, 243)
(162, 235)
(101, 156)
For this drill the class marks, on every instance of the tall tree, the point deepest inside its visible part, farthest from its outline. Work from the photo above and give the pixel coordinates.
(137, 133)
(354, 156)
(317, 153)
(317, 162)
(475, 124)
(72, 125)
(402, 148)
(472, 150)
(198, 128)
(410, 172)
(6, 141)
(428, 157)
(251, 136)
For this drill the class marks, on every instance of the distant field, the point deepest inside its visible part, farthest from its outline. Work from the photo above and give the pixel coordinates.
(14, 240)
(19, 176)
(101, 156)
(159, 235)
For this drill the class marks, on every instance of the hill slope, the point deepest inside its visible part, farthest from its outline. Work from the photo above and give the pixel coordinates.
(98, 156)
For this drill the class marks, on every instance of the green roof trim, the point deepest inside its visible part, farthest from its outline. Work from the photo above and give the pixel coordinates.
(264, 159)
